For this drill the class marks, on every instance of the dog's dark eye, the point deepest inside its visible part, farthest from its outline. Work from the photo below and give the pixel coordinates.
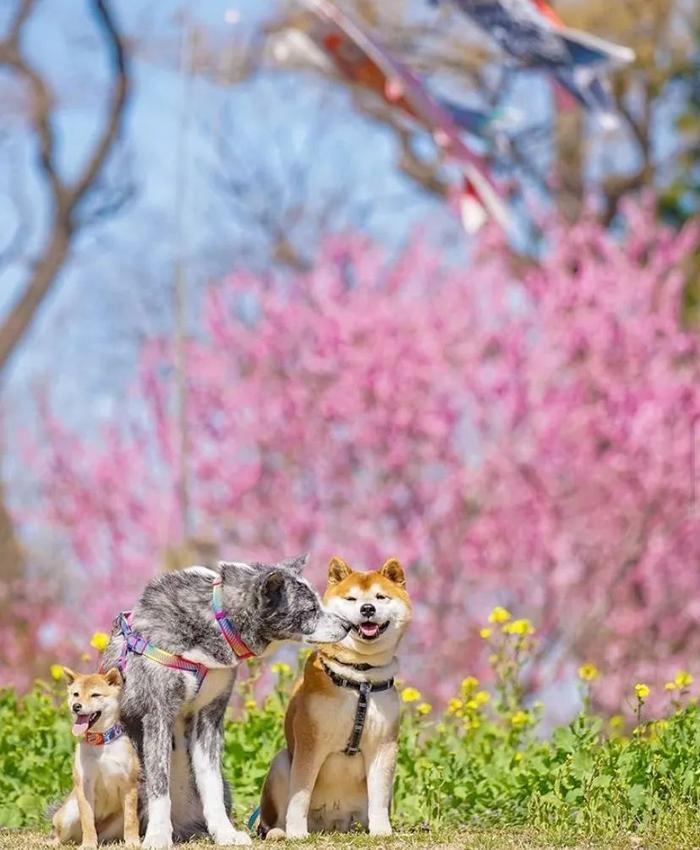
(351, 598)
(92, 696)
(380, 596)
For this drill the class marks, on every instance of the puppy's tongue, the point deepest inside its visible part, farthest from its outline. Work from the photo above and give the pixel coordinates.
(82, 722)
(369, 629)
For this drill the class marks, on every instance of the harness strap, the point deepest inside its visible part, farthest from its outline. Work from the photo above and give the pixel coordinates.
(358, 726)
(137, 643)
(231, 634)
(364, 689)
(98, 739)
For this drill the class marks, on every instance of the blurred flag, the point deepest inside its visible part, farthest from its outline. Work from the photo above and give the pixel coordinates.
(532, 33)
(336, 38)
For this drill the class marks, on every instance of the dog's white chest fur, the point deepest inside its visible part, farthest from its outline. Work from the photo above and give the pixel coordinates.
(340, 792)
(106, 769)
(382, 716)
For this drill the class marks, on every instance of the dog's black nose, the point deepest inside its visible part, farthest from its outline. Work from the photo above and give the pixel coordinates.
(368, 610)
(76, 707)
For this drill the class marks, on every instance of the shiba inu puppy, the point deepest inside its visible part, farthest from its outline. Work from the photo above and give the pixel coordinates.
(103, 804)
(342, 722)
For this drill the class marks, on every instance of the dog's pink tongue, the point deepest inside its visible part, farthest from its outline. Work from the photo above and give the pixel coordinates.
(369, 629)
(82, 722)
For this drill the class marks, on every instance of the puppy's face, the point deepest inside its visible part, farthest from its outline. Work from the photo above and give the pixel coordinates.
(375, 603)
(93, 699)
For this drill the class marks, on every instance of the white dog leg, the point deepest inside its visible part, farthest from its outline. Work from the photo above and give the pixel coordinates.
(380, 781)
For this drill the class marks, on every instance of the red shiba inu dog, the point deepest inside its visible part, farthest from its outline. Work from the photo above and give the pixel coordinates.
(342, 722)
(103, 804)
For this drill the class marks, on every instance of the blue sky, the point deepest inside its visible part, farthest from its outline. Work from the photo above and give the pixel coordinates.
(117, 287)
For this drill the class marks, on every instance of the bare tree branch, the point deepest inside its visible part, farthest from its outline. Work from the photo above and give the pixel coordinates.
(65, 197)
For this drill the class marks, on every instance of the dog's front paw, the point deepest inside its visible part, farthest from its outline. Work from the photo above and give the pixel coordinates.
(276, 834)
(383, 830)
(297, 832)
(227, 835)
(379, 826)
(158, 840)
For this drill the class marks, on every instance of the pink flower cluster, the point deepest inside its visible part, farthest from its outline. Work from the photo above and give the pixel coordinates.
(526, 436)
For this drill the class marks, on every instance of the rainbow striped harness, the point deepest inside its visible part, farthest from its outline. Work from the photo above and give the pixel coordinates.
(138, 645)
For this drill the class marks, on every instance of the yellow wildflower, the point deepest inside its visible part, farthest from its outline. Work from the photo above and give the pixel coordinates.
(485, 633)
(424, 708)
(588, 672)
(250, 705)
(281, 669)
(517, 758)
(641, 690)
(56, 672)
(670, 686)
(99, 641)
(520, 718)
(519, 627)
(454, 705)
(469, 684)
(499, 615)
(481, 698)
(617, 721)
(683, 679)
(472, 705)
(410, 695)
(471, 723)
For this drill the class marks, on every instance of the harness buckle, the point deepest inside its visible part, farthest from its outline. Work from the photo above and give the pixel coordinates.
(136, 643)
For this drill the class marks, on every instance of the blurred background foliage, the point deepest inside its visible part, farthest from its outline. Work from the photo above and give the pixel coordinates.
(147, 153)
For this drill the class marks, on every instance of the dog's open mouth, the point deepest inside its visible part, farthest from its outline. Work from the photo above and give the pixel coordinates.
(370, 631)
(83, 722)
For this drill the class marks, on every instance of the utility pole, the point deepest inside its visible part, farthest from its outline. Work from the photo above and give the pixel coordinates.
(181, 281)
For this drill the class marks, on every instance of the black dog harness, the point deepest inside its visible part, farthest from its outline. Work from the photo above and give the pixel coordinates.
(364, 690)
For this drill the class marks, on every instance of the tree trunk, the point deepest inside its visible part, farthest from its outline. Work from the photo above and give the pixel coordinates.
(571, 162)
(11, 554)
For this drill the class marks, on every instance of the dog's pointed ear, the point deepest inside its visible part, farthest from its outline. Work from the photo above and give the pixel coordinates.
(236, 571)
(69, 675)
(296, 565)
(393, 571)
(271, 590)
(338, 570)
(114, 677)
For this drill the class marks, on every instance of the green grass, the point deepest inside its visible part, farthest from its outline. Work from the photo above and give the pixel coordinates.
(477, 776)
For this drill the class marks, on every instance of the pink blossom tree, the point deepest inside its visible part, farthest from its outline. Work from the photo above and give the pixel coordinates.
(525, 438)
